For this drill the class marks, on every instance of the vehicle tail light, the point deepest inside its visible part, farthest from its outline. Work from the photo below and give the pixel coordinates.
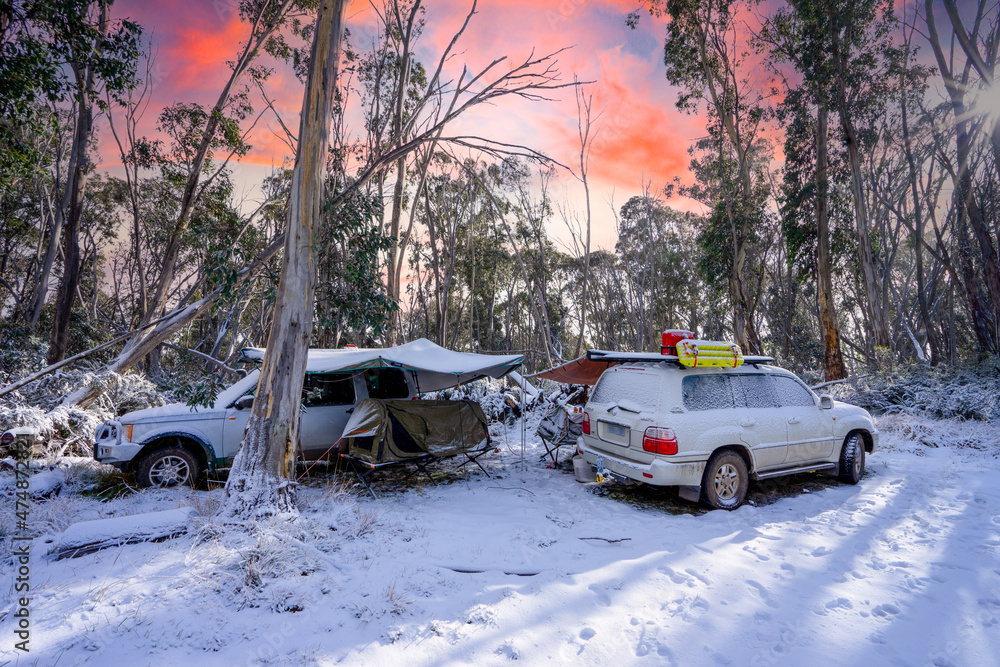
(659, 440)
(586, 423)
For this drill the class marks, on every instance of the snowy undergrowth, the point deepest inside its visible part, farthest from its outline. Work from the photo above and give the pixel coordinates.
(262, 564)
(971, 393)
(70, 431)
(921, 432)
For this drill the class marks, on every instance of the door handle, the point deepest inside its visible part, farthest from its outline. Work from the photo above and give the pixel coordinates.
(748, 424)
(793, 421)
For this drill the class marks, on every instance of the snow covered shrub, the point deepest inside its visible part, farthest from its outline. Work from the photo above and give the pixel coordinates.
(941, 393)
(252, 566)
(491, 395)
(64, 430)
(71, 430)
(21, 353)
(953, 433)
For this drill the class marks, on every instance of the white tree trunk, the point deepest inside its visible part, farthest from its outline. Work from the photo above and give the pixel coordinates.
(261, 482)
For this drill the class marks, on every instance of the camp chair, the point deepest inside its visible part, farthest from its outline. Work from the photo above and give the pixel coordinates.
(559, 427)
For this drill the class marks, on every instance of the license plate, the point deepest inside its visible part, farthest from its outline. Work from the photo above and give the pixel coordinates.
(615, 429)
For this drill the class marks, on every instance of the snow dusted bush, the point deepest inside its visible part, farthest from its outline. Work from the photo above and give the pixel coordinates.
(71, 430)
(953, 433)
(258, 565)
(941, 393)
(491, 395)
(248, 566)
(64, 430)
(23, 353)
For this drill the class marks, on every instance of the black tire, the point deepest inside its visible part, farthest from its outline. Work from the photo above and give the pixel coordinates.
(852, 459)
(724, 485)
(168, 466)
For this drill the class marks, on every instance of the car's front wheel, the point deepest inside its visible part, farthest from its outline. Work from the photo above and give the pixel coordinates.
(852, 459)
(168, 466)
(726, 480)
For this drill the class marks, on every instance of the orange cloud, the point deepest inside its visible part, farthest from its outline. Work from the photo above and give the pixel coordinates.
(199, 54)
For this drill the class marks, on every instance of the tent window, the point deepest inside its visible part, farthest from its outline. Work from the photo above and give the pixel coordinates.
(328, 389)
(386, 383)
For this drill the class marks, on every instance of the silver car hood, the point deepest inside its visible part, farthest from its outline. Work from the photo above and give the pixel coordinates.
(173, 412)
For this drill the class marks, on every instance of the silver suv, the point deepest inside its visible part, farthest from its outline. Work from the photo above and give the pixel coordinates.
(176, 444)
(711, 430)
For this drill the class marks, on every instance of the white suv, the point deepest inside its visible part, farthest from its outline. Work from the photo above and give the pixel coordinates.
(710, 430)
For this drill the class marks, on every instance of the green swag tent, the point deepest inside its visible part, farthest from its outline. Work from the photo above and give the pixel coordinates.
(385, 431)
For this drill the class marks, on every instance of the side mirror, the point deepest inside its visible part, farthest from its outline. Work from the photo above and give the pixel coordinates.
(825, 402)
(244, 402)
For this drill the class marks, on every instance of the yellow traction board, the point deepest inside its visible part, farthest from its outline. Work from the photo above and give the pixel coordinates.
(692, 353)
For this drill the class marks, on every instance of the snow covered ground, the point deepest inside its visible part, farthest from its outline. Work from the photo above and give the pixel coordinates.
(903, 569)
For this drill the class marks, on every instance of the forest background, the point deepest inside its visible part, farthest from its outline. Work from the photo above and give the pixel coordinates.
(816, 180)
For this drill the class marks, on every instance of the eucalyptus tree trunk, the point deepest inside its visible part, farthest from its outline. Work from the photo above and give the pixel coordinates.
(76, 187)
(873, 302)
(586, 142)
(833, 360)
(918, 238)
(261, 482)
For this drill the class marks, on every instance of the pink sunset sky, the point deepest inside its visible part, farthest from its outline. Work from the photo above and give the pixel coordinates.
(641, 136)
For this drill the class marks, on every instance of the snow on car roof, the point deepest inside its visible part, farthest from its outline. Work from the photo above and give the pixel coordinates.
(434, 366)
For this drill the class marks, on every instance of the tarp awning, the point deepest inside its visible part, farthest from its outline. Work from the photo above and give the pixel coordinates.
(578, 371)
(435, 367)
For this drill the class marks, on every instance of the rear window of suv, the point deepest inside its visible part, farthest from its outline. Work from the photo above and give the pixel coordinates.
(631, 390)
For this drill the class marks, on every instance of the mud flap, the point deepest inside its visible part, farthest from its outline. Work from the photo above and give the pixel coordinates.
(689, 493)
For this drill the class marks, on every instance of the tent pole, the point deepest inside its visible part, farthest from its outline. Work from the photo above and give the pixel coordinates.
(523, 417)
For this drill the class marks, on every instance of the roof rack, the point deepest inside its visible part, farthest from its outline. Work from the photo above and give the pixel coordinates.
(638, 357)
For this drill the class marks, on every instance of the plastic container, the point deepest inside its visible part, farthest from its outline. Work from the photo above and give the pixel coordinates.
(582, 470)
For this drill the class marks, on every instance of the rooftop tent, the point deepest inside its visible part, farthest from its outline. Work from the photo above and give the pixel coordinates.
(433, 366)
(386, 431)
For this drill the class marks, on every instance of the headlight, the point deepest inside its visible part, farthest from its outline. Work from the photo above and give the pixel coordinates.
(127, 432)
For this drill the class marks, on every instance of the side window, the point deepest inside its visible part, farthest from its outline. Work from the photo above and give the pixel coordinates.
(386, 383)
(759, 391)
(328, 389)
(707, 392)
(790, 392)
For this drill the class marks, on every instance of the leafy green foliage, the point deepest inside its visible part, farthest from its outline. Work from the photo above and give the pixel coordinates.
(351, 303)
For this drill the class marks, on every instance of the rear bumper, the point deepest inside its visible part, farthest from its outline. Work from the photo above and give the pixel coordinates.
(658, 473)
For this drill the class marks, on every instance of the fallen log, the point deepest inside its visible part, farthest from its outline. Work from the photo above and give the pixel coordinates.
(87, 537)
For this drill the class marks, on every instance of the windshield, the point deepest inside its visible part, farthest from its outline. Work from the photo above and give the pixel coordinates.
(244, 386)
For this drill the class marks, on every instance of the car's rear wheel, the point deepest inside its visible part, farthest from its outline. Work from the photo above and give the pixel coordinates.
(852, 459)
(725, 483)
(168, 466)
